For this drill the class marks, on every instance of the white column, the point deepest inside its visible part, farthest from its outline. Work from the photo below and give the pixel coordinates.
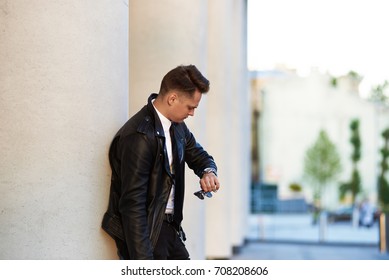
(64, 90)
(163, 35)
(229, 128)
(220, 129)
(241, 127)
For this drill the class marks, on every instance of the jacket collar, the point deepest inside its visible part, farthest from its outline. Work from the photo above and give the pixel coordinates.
(154, 115)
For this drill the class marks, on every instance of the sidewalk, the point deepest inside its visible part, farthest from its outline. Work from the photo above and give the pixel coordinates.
(293, 237)
(304, 251)
(299, 227)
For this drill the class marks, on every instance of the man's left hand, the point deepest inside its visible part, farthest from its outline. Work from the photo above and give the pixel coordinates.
(209, 182)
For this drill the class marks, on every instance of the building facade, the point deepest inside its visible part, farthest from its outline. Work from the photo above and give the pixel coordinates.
(293, 109)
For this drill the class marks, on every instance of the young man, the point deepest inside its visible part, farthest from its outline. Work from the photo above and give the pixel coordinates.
(147, 157)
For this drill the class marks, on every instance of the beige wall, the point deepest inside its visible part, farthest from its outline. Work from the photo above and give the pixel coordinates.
(63, 83)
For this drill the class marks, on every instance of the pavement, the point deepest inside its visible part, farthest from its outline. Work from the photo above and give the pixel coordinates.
(294, 237)
(265, 250)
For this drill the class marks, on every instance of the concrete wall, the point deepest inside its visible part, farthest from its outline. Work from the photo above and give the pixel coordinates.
(63, 83)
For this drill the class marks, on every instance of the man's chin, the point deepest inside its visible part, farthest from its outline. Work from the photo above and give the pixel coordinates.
(181, 120)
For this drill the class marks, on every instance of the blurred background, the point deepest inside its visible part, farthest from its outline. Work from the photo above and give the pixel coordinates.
(319, 83)
(297, 120)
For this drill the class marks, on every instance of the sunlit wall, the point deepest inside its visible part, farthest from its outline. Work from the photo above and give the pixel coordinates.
(63, 82)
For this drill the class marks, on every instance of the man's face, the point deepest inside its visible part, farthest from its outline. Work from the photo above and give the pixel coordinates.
(184, 106)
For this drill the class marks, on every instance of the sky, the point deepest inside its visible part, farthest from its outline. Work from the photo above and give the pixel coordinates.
(332, 35)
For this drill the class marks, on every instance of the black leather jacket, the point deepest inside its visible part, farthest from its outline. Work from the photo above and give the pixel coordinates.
(141, 181)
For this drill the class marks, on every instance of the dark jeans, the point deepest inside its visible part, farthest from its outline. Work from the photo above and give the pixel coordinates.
(169, 245)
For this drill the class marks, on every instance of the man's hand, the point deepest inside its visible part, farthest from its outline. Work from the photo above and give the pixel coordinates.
(209, 182)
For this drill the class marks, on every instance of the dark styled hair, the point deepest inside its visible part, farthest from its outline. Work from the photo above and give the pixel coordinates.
(184, 79)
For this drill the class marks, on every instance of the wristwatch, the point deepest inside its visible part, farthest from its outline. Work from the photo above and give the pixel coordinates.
(209, 170)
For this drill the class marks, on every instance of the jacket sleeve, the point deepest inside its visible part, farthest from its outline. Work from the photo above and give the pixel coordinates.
(195, 156)
(136, 159)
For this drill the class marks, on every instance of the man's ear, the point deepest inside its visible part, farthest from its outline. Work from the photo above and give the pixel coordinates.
(172, 97)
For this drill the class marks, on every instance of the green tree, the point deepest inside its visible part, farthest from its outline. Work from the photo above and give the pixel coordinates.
(354, 185)
(383, 185)
(321, 164)
(378, 94)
